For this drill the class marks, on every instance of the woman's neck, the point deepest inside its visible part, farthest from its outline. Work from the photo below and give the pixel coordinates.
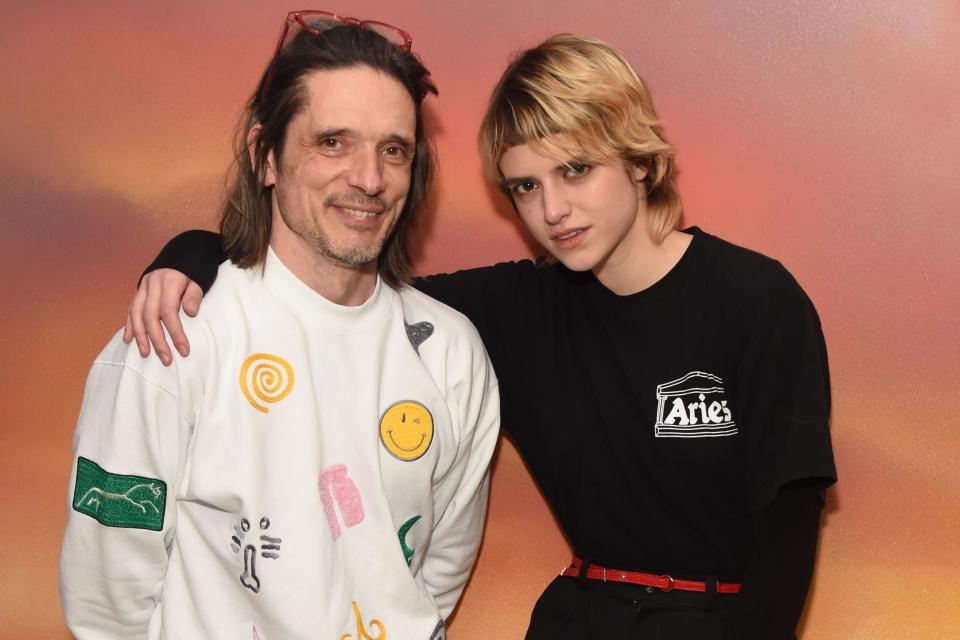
(642, 263)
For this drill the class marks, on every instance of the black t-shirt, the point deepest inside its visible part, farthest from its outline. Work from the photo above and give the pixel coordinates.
(658, 423)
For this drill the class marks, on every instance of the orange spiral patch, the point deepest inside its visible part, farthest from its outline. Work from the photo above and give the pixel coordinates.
(265, 379)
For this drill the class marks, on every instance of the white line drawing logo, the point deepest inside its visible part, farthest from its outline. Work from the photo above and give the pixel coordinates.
(694, 406)
(269, 548)
(145, 490)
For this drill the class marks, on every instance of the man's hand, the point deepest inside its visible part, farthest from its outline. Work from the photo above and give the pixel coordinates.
(158, 300)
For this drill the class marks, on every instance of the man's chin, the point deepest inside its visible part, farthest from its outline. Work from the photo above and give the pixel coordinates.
(358, 258)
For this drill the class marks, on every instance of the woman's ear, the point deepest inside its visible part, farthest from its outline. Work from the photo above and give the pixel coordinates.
(639, 172)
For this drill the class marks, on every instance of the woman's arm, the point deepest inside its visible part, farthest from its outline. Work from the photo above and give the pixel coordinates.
(784, 395)
(185, 269)
(778, 575)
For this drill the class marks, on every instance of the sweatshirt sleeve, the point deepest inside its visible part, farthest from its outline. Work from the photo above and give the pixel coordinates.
(197, 254)
(465, 487)
(129, 451)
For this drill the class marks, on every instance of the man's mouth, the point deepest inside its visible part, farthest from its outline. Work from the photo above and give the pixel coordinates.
(358, 213)
(359, 208)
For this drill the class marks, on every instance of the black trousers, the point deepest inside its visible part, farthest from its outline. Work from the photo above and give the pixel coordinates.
(574, 608)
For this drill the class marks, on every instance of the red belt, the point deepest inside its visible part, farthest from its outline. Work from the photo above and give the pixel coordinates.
(662, 582)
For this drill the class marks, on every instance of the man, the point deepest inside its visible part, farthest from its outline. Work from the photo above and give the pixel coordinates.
(318, 466)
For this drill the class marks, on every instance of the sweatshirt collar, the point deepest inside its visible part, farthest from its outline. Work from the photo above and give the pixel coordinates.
(309, 304)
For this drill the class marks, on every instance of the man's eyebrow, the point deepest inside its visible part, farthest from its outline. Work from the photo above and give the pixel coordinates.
(323, 134)
(402, 139)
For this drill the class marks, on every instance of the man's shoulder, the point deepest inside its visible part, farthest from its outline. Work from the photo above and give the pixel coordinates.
(232, 281)
(419, 307)
(125, 359)
(236, 294)
(441, 335)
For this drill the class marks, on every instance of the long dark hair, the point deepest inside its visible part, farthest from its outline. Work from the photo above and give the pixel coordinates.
(246, 219)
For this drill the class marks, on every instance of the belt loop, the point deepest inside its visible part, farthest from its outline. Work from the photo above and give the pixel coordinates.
(711, 583)
(584, 565)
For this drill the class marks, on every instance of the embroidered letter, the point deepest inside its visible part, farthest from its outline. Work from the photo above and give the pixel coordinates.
(402, 534)
(335, 486)
(362, 633)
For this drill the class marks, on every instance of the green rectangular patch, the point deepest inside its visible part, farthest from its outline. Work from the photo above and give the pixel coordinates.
(116, 500)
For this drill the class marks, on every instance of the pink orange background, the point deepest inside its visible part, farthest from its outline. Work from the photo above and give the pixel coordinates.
(824, 133)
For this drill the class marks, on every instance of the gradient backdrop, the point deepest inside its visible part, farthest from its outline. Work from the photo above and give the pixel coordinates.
(824, 133)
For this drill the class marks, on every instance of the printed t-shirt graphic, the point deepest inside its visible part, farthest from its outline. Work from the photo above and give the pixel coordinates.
(694, 406)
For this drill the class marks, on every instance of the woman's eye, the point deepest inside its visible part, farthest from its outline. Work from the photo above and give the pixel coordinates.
(577, 169)
(521, 188)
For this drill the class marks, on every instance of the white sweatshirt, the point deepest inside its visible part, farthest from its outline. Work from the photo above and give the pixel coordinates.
(310, 471)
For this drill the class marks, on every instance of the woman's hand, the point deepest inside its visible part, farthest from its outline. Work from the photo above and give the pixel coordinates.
(157, 305)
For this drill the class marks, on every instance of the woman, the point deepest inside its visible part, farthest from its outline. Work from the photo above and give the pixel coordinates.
(668, 390)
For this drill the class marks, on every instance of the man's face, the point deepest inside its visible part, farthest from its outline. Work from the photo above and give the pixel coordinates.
(345, 171)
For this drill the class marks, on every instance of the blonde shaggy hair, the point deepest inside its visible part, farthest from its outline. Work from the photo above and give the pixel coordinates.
(587, 92)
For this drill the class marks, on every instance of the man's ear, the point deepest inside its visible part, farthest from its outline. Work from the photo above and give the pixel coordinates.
(269, 171)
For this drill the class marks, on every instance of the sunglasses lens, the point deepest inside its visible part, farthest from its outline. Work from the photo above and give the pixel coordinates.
(392, 34)
(321, 23)
(318, 23)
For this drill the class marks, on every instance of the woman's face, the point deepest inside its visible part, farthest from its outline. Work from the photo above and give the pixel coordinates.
(588, 215)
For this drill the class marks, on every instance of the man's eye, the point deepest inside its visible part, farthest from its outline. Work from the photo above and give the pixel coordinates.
(396, 152)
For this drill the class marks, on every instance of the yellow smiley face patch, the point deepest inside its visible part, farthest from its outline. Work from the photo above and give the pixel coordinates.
(406, 430)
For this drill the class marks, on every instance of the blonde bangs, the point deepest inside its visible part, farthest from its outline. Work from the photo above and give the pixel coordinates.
(574, 97)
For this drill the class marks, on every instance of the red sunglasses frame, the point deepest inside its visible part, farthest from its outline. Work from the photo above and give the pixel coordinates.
(301, 17)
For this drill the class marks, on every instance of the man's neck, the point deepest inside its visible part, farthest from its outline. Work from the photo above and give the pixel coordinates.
(344, 285)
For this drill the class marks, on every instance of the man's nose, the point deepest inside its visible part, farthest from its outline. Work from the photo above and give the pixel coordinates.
(366, 172)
